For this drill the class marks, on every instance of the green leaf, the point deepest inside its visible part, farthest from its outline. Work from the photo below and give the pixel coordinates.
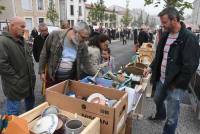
(2, 8)
(52, 14)
(181, 5)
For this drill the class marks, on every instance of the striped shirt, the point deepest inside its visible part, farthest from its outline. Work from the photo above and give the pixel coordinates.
(171, 38)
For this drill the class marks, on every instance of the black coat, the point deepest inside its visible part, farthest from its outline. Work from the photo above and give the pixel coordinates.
(37, 46)
(143, 37)
(34, 33)
(182, 61)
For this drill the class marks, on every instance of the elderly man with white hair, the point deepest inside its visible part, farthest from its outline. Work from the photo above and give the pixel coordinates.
(39, 41)
(65, 54)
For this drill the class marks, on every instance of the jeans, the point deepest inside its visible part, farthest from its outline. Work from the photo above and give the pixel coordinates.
(172, 97)
(13, 106)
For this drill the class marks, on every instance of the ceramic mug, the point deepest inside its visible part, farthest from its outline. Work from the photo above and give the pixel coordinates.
(73, 127)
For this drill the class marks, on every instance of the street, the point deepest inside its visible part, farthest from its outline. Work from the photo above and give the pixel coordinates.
(188, 123)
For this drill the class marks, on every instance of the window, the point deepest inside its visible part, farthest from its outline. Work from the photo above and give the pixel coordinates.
(40, 20)
(29, 23)
(72, 23)
(40, 4)
(106, 24)
(80, 11)
(51, 1)
(71, 9)
(69, 22)
(26, 4)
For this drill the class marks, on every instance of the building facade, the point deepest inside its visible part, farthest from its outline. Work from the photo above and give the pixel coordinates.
(33, 11)
(72, 10)
(196, 13)
(107, 21)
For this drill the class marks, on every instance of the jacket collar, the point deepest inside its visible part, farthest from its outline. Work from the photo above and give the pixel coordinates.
(9, 35)
(180, 38)
(62, 35)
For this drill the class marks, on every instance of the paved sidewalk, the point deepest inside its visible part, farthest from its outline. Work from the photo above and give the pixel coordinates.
(188, 123)
(113, 41)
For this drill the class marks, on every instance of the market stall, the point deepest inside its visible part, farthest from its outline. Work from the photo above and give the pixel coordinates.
(107, 104)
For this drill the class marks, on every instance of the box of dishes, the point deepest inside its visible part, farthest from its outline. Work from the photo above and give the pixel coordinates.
(49, 119)
(91, 101)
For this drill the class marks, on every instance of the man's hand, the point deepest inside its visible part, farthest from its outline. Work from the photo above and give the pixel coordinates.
(43, 77)
(146, 71)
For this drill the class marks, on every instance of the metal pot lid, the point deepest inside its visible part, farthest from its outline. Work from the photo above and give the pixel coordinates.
(50, 110)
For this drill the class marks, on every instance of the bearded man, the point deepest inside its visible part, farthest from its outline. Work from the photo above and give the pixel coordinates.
(65, 54)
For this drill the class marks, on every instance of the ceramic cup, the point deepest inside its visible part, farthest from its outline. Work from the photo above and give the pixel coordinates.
(73, 127)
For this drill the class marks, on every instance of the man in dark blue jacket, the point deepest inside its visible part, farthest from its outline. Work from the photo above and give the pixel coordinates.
(176, 60)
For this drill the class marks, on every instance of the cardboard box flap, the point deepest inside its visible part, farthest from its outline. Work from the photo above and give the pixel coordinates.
(107, 92)
(120, 113)
(76, 86)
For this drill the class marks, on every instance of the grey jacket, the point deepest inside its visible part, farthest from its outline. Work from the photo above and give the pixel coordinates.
(94, 58)
(52, 53)
(16, 67)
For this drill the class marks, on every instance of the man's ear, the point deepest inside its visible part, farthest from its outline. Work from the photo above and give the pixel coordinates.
(11, 26)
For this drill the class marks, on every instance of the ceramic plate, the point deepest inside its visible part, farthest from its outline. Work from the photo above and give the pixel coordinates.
(46, 124)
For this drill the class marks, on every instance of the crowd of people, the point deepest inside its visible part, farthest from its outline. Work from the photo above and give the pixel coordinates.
(69, 53)
(74, 53)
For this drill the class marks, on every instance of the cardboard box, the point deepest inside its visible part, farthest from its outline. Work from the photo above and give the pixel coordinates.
(137, 111)
(92, 126)
(112, 119)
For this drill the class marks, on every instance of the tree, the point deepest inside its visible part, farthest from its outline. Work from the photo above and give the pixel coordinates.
(106, 16)
(140, 19)
(52, 14)
(152, 23)
(2, 8)
(181, 5)
(147, 20)
(127, 18)
(134, 22)
(96, 13)
(113, 16)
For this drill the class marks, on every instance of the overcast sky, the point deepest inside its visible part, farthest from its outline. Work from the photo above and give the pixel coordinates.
(137, 4)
